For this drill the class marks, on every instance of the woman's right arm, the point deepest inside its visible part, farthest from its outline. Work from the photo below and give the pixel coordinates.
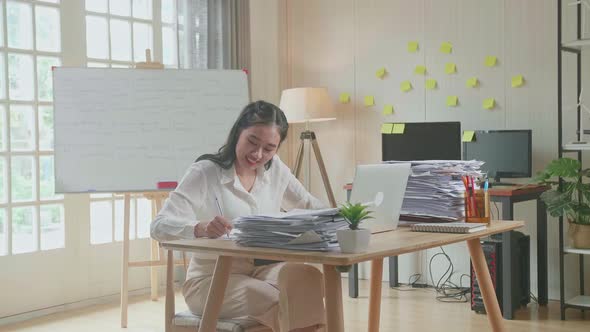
(177, 219)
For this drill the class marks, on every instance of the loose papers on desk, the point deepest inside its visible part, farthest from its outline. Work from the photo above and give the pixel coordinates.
(435, 191)
(296, 229)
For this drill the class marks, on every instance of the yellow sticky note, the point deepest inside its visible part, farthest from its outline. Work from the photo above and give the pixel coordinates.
(398, 128)
(452, 100)
(386, 128)
(491, 60)
(489, 103)
(472, 82)
(412, 46)
(387, 109)
(380, 73)
(406, 86)
(517, 81)
(420, 70)
(468, 135)
(369, 100)
(450, 68)
(446, 47)
(431, 84)
(344, 98)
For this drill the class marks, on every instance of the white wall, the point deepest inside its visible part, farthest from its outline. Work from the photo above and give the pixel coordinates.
(341, 43)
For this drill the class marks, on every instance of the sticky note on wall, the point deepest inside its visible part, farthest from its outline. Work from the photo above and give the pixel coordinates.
(468, 135)
(450, 68)
(344, 98)
(406, 86)
(491, 60)
(386, 128)
(369, 100)
(431, 84)
(380, 73)
(387, 109)
(472, 82)
(398, 128)
(420, 70)
(446, 47)
(452, 101)
(489, 103)
(517, 81)
(412, 46)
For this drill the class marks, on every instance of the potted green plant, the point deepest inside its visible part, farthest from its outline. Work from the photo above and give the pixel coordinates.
(571, 200)
(354, 239)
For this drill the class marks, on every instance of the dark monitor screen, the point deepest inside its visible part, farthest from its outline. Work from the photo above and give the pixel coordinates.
(506, 153)
(424, 141)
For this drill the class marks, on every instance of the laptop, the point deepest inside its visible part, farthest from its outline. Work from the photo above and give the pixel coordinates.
(388, 179)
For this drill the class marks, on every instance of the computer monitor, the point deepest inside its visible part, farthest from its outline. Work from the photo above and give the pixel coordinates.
(424, 141)
(506, 153)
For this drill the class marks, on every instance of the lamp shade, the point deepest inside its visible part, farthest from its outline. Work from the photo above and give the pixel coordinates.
(307, 104)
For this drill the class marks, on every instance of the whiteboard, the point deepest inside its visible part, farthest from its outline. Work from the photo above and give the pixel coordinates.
(125, 130)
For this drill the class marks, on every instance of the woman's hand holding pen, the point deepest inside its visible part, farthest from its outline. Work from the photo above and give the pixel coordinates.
(217, 227)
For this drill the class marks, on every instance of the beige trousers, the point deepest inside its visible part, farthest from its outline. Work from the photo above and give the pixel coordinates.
(281, 296)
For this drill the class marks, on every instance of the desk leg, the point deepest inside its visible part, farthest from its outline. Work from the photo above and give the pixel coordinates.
(542, 280)
(508, 290)
(375, 294)
(393, 274)
(216, 294)
(333, 287)
(485, 284)
(353, 281)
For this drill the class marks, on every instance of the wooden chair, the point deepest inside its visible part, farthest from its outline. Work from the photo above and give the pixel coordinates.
(188, 322)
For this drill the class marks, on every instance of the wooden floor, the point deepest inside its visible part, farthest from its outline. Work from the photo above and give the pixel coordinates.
(411, 310)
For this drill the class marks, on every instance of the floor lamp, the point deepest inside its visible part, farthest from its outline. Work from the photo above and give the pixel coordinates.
(305, 105)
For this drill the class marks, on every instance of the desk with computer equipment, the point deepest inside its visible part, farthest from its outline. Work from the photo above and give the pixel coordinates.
(507, 154)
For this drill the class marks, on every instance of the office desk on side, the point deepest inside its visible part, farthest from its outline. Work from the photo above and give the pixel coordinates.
(382, 245)
(506, 196)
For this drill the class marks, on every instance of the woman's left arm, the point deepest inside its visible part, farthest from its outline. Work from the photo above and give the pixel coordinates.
(297, 197)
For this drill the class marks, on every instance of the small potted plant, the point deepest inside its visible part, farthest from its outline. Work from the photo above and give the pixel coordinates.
(570, 200)
(354, 239)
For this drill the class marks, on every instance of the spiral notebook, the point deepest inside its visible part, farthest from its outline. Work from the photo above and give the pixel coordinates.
(450, 227)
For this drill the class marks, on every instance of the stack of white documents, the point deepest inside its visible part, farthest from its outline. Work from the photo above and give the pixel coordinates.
(435, 191)
(296, 229)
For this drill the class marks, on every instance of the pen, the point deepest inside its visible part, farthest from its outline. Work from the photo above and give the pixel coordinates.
(220, 212)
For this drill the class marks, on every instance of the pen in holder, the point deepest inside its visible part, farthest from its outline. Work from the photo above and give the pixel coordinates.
(477, 206)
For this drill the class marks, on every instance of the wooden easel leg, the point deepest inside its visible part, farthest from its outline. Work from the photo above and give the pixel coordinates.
(216, 294)
(485, 285)
(333, 287)
(125, 263)
(299, 159)
(320, 160)
(375, 294)
(155, 255)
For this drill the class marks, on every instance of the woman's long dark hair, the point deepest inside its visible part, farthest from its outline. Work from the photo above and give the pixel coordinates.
(256, 113)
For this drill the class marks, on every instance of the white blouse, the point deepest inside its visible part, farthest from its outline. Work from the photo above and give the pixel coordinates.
(194, 200)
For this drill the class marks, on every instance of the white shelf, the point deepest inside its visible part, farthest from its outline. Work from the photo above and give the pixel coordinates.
(580, 301)
(578, 44)
(576, 147)
(576, 251)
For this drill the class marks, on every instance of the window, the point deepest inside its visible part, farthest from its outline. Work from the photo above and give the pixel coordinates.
(31, 214)
(117, 34)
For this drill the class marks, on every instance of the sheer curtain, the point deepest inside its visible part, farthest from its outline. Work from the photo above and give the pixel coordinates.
(214, 34)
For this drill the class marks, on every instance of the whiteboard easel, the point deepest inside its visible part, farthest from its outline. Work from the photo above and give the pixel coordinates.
(157, 257)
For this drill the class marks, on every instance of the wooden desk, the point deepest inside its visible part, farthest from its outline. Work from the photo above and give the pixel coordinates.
(382, 245)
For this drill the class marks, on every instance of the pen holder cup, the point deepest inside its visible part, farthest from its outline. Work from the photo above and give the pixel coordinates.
(477, 206)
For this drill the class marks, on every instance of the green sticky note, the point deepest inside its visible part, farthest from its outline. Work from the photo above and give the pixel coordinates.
(452, 101)
(386, 128)
(472, 82)
(369, 100)
(468, 135)
(517, 81)
(380, 73)
(398, 128)
(491, 60)
(450, 68)
(344, 98)
(406, 86)
(412, 46)
(431, 84)
(446, 47)
(489, 103)
(387, 109)
(420, 70)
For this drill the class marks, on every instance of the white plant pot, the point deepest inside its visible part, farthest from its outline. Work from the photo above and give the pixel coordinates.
(353, 241)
